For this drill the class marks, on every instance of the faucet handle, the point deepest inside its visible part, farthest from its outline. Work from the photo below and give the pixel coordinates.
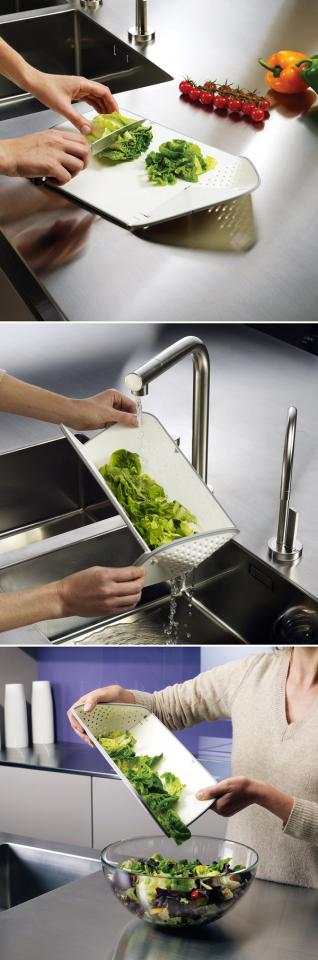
(292, 527)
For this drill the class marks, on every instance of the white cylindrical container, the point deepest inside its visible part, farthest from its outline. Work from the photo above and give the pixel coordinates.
(15, 716)
(42, 712)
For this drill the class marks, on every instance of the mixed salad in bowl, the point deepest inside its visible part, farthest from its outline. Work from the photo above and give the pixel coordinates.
(194, 890)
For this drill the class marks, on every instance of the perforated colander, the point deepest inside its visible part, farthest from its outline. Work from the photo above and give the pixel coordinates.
(164, 461)
(152, 739)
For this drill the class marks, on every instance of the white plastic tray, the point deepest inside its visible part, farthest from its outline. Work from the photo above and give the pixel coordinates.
(152, 738)
(164, 461)
(123, 192)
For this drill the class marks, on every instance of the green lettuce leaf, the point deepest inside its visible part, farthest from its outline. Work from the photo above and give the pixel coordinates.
(129, 145)
(177, 160)
(158, 519)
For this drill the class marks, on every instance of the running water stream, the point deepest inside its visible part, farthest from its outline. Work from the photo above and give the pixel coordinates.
(181, 584)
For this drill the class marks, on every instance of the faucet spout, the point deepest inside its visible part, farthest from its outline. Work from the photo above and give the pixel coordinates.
(138, 383)
(285, 548)
(140, 32)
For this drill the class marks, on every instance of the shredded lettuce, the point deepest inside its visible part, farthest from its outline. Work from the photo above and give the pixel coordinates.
(177, 159)
(158, 519)
(159, 793)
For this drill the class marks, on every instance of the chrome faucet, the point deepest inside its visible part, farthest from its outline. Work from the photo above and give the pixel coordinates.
(284, 547)
(138, 382)
(140, 32)
(91, 4)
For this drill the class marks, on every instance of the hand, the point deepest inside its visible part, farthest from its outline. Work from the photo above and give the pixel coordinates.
(231, 795)
(50, 153)
(237, 793)
(58, 92)
(90, 700)
(107, 407)
(100, 590)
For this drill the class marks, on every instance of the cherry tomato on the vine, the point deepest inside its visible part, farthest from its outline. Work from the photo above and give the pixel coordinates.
(210, 85)
(263, 104)
(247, 107)
(234, 104)
(206, 98)
(257, 115)
(220, 102)
(194, 93)
(185, 86)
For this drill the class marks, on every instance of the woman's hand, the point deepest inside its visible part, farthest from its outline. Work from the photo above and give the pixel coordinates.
(50, 153)
(100, 590)
(107, 407)
(58, 92)
(234, 794)
(230, 796)
(90, 700)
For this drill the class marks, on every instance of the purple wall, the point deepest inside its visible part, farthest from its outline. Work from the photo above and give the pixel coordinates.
(75, 672)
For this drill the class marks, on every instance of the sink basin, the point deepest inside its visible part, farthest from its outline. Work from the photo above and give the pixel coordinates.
(21, 6)
(27, 871)
(236, 597)
(45, 490)
(70, 42)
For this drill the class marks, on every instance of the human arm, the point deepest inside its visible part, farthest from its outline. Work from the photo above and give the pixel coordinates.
(54, 90)
(206, 697)
(299, 817)
(95, 592)
(90, 413)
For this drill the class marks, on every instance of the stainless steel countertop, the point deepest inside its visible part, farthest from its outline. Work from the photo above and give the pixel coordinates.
(254, 378)
(254, 259)
(84, 919)
(80, 759)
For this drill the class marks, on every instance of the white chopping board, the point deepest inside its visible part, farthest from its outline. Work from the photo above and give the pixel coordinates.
(152, 738)
(123, 192)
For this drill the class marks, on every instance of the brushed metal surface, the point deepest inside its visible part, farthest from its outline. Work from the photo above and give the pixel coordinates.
(46, 490)
(67, 41)
(236, 598)
(85, 919)
(27, 872)
(243, 262)
(255, 378)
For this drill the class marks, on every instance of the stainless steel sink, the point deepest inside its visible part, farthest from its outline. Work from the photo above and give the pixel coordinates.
(45, 490)
(236, 597)
(28, 871)
(22, 6)
(70, 42)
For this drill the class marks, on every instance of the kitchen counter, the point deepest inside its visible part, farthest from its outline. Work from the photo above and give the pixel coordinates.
(214, 753)
(252, 259)
(254, 378)
(84, 919)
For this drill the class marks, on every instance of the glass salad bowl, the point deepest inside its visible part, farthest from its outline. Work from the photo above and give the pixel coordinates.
(168, 887)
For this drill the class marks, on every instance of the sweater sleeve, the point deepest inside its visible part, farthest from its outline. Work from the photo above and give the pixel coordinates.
(209, 696)
(302, 822)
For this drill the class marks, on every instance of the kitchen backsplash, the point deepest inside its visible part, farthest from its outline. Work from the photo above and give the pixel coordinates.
(147, 669)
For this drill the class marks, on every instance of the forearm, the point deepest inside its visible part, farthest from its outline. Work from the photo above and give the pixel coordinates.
(273, 800)
(185, 704)
(299, 817)
(30, 401)
(28, 606)
(15, 68)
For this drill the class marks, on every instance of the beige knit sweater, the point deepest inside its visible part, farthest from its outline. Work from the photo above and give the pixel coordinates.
(251, 692)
